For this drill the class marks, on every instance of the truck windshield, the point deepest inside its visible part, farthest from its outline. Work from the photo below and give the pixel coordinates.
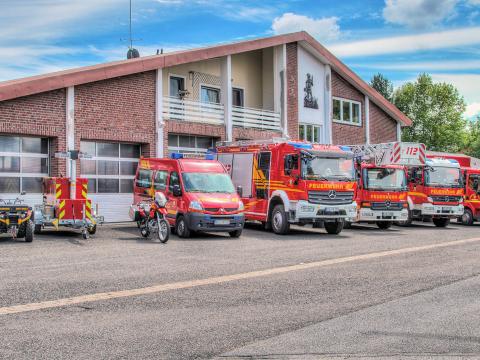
(385, 179)
(438, 176)
(327, 169)
(207, 183)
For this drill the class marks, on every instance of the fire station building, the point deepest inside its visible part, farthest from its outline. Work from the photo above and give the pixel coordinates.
(185, 101)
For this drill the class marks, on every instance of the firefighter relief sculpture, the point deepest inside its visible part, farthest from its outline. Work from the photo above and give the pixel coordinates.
(309, 101)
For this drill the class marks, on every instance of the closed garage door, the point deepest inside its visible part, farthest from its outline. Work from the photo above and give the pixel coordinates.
(110, 173)
(24, 161)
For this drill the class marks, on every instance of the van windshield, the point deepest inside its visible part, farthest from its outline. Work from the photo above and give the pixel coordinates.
(207, 183)
(386, 179)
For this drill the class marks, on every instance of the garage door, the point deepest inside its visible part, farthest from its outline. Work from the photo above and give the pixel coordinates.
(24, 161)
(110, 173)
(189, 144)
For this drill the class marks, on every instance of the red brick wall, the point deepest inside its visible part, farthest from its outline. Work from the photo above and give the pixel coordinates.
(39, 115)
(118, 109)
(342, 133)
(292, 90)
(382, 127)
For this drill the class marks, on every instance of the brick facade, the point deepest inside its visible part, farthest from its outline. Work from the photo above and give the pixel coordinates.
(292, 90)
(118, 109)
(343, 133)
(42, 114)
(382, 127)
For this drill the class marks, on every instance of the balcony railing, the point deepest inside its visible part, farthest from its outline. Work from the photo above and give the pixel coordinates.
(256, 118)
(195, 111)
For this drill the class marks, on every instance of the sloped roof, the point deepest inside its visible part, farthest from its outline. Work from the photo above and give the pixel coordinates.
(36, 84)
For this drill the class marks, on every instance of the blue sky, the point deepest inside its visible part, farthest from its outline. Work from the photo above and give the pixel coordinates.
(399, 38)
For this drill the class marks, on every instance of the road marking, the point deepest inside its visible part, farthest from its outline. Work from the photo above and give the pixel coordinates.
(15, 309)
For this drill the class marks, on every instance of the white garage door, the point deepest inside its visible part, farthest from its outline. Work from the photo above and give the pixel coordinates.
(110, 173)
(23, 163)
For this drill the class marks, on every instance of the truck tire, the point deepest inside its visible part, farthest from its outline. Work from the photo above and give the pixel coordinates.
(334, 228)
(347, 225)
(181, 228)
(38, 229)
(235, 234)
(441, 222)
(384, 225)
(29, 228)
(467, 217)
(280, 224)
(92, 229)
(407, 222)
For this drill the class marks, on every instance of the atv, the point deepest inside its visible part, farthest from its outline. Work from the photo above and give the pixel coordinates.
(16, 219)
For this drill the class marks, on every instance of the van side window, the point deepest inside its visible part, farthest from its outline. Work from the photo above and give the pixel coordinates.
(174, 180)
(144, 178)
(160, 180)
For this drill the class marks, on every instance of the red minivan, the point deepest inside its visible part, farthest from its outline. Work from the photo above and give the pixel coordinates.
(201, 196)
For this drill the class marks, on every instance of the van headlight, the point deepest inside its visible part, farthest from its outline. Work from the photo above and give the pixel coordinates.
(241, 207)
(195, 205)
(429, 199)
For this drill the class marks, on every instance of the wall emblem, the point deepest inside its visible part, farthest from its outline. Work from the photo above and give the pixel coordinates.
(309, 101)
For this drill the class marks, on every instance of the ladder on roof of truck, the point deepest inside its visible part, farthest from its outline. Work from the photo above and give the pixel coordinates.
(275, 140)
(392, 153)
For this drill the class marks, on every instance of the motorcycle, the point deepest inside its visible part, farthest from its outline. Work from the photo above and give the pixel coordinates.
(152, 218)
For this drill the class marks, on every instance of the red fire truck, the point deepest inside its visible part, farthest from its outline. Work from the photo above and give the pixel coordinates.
(288, 182)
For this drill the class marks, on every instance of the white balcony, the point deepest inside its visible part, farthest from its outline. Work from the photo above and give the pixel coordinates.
(256, 118)
(194, 111)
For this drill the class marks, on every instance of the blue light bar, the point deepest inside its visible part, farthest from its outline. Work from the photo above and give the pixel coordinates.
(300, 145)
(346, 148)
(453, 161)
(209, 156)
(176, 156)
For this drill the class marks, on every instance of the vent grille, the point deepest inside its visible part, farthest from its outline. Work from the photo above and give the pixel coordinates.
(327, 198)
(446, 198)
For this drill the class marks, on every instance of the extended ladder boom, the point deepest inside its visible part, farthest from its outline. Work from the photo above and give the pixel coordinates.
(392, 153)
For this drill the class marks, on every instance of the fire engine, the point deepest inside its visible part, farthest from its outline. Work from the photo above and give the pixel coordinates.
(470, 168)
(382, 181)
(286, 182)
(66, 203)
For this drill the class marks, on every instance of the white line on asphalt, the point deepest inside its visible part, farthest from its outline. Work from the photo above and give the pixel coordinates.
(15, 309)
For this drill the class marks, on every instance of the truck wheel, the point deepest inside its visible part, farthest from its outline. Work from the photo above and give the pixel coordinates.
(441, 222)
(92, 229)
(29, 231)
(347, 225)
(334, 228)
(235, 234)
(407, 222)
(181, 228)
(38, 229)
(22, 231)
(384, 225)
(467, 217)
(280, 224)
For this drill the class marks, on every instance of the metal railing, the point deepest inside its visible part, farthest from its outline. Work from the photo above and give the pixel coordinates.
(195, 111)
(256, 118)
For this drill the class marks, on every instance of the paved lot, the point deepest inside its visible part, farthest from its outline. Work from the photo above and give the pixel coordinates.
(422, 302)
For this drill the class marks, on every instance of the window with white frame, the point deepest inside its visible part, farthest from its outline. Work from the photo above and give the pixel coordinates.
(309, 132)
(210, 94)
(347, 111)
(23, 163)
(189, 144)
(112, 167)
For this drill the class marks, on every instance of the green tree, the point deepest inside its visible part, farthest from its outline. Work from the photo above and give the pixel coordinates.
(436, 110)
(383, 86)
(472, 146)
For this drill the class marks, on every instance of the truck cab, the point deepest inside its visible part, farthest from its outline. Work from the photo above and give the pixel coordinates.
(471, 202)
(200, 194)
(288, 182)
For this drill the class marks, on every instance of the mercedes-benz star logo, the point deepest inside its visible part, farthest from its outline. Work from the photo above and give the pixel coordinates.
(332, 194)
(388, 203)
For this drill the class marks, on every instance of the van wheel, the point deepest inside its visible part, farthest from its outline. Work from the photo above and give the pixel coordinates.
(181, 228)
(29, 231)
(334, 228)
(235, 234)
(280, 224)
(467, 217)
(384, 225)
(441, 222)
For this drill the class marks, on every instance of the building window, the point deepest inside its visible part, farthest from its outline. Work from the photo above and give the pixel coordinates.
(177, 86)
(347, 111)
(23, 163)
(210, 94)
(112, 167)
(308, 132)
(189, 144)
(237, 97)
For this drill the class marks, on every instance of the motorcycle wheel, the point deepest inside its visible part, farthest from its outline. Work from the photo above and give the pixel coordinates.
(163, 230)
(143, 226)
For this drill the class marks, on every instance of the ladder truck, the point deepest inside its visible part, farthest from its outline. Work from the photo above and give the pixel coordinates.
(284, 182)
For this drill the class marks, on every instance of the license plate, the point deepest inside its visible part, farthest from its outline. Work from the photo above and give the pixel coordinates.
(222, 222)
(445, 209)
(330, 209)
(387, 214)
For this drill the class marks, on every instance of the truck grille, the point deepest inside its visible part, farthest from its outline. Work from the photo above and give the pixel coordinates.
(446, 198)
(330, 197)
(387, 206)
(218, 209)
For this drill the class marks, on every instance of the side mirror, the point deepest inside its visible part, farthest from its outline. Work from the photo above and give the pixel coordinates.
(240, 190)
(23, 193)
(177, 191)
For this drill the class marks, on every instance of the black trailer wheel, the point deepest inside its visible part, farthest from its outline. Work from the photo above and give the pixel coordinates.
(181, 228)
(29, 229)
(441, 222)
(467, 217)
(38, 229)
(384, 225)
(235, 234)
(92, 229)
(334, 228)
(280, 224)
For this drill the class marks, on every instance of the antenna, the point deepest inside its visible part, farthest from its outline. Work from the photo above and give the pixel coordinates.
(132, 52)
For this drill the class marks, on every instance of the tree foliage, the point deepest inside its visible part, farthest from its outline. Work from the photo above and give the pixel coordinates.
(436, 110)
(472, 146)
(383, 85)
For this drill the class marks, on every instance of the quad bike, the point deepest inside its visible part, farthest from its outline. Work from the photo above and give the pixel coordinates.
(16, 219)
(151, 218)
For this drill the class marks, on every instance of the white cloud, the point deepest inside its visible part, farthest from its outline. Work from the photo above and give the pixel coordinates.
(474, 2)
(467, 84)
(323, 29)
(473, 110)
(424, 65)
(418, 13)
(409, 43)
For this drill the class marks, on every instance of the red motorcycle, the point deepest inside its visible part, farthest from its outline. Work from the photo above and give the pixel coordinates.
(152, 218)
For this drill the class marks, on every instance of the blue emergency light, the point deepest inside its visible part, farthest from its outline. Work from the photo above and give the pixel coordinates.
(300, 145)
(176, 156)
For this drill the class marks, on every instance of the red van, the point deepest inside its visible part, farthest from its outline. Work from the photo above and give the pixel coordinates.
(200, 193)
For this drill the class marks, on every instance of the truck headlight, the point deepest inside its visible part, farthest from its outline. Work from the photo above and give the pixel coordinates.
(429, 199)
(195, 205)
